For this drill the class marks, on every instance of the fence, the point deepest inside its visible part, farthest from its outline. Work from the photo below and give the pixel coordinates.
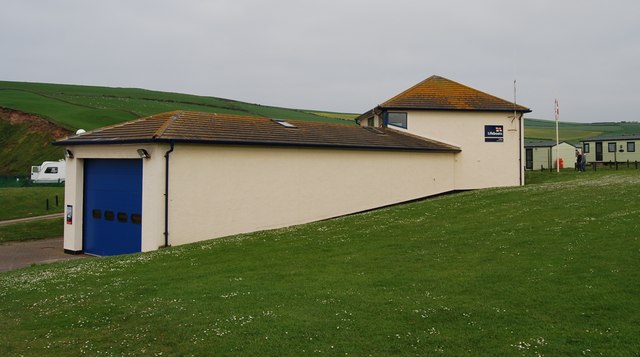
(603, 165)
(24, 181)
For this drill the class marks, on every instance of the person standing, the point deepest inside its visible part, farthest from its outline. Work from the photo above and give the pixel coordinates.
(578, 160)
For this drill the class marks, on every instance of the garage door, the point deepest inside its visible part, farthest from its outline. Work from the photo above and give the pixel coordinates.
(112, 207)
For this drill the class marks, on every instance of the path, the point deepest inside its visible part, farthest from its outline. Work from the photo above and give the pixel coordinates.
(14, 255)
(31, 219)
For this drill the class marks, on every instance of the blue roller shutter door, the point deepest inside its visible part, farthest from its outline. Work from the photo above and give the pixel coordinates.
(112, 206)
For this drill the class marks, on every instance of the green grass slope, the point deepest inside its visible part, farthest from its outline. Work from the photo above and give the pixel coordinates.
(88, 107)
(547, 269)
(538, 129)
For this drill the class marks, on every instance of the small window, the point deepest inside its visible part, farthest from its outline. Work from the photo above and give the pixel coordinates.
(122, 217)
(612, 147)
(51, 170)
(397, 119)
(284, 123)
(136, 218)
(631, 146)
(370, 122)
(96, 213)
(108, 215)
(585, 148)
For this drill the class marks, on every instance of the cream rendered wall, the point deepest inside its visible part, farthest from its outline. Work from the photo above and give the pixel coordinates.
(541, 156)
(480, 164)
(152, 190)
(217, 191)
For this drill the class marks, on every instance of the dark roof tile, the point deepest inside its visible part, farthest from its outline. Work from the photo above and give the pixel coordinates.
(196, 127)
(438, 93)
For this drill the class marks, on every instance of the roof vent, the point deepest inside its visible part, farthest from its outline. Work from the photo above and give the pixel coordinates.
(284, 123)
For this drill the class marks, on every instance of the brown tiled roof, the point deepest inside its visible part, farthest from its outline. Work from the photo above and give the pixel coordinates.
(438, 93)
(211, 128)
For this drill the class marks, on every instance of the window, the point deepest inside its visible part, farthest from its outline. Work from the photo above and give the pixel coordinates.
(122, 217)
(612, 147)
(96, 213)
(631, 146)
(284, 123)
(51, 170)
(370, 122)
(108, 215)
(397, 119)
(585, 148)
(136, 218)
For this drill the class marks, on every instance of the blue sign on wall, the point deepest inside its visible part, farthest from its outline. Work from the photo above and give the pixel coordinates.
(493, 133)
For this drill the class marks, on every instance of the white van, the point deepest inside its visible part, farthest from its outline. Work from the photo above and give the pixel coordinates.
(49, 172)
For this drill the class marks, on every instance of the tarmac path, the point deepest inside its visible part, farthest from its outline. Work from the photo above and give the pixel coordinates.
(31, 219)
(14, 255)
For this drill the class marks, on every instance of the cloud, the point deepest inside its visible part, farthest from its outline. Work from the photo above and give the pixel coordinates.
(335, 55)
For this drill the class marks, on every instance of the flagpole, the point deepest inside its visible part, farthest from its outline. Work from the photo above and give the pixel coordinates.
(557, 111)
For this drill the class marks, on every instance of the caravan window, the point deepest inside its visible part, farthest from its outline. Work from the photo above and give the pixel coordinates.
(51, 170)
(631, 146)
(612, 147)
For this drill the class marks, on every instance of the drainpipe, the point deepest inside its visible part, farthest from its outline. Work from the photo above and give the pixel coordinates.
(166, 196)
(520, 135)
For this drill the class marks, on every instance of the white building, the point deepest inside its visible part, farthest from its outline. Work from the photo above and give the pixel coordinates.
(182, 177)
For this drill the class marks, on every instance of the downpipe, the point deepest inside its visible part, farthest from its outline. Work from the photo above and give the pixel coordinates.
(166, 195)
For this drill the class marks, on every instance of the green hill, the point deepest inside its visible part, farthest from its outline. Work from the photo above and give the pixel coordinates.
(526, 271)
(86, 107)
(71, 107)
(538, 129)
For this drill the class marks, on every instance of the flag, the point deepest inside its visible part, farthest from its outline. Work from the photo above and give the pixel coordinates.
(557, 110)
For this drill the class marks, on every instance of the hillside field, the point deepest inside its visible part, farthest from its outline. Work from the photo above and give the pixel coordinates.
(67, 108)
(546, 269)
(538, 129)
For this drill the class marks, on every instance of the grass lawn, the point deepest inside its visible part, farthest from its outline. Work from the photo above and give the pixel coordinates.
(547, 269)
(20, 202)
(32, 230)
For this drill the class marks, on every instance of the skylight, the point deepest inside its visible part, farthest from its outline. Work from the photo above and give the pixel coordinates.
(284, 123)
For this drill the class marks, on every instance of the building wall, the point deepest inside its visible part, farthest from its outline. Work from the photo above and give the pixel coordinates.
(152, 190)
(480, 164)
(219, 191)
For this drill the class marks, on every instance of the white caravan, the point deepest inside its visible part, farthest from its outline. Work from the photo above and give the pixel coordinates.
(49, 172)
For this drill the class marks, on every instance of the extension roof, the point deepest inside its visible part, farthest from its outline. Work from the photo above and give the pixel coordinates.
(438, 93)
(544, 144)
(228, 129)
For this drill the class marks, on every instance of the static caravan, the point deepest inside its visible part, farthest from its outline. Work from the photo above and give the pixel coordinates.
(543, 154)
(621, 148)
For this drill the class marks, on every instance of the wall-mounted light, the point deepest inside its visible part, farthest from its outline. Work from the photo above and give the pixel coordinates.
(621, 149)
(68, 154)
(143, 154)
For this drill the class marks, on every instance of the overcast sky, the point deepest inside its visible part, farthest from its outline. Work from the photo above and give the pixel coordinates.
(336, 55)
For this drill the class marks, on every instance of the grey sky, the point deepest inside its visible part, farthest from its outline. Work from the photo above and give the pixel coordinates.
(336, 55)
